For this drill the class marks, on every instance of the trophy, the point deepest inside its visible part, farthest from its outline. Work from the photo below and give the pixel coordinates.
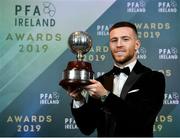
(78, 72)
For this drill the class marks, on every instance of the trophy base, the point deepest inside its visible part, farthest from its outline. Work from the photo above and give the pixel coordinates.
(77, 74)
(73, 84)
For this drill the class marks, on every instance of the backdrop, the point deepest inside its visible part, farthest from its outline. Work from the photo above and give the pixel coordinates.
(34, 53)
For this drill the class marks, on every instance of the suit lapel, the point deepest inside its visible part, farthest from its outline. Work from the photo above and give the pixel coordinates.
(133, 77)
(136, 73)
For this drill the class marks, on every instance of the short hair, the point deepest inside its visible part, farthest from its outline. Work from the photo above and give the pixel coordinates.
(124, 24)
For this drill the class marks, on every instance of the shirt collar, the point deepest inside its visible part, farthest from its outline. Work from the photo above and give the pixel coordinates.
(130, 65)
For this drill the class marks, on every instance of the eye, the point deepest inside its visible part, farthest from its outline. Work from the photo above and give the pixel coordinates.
(126, 39)
(113, 40)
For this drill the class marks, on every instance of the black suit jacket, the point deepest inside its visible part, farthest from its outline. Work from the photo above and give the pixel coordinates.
(131, 114)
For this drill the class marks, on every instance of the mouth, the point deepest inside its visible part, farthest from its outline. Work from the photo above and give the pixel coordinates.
(120, 53)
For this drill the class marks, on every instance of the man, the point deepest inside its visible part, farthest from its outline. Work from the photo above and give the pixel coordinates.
(121, 103)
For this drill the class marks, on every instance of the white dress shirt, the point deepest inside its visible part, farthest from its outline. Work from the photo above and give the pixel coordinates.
(120, 79)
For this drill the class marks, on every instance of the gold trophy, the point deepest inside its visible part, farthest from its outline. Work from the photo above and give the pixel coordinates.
(78, 72)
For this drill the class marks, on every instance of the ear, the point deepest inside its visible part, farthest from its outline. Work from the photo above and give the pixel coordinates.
(138, 44)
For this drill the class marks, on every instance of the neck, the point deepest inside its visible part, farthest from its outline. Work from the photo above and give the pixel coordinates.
(121, 65)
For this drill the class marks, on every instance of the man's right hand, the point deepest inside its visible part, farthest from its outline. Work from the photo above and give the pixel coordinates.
(75, 93)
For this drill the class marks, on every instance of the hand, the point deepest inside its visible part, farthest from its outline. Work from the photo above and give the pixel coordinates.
(75, 93)
(96, 89)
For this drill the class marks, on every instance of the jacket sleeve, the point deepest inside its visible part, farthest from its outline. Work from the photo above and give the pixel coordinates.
(87, 115)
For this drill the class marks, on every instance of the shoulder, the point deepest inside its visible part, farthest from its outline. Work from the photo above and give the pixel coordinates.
(148, 73)
(157, 74)
(140, 68)
(153, 77)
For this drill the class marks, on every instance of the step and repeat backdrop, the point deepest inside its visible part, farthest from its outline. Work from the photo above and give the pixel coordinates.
(34, 53)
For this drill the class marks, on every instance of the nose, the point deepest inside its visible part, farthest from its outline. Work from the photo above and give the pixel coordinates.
(119, 43)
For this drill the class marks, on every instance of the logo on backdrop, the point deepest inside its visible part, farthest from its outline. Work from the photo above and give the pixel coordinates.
(33, 16)
(167, 6)
(166, 72)
(168, 53)
(28, 123)
(161, 120)
(29, 15)
(49, 98)
(136, 6)
(102, 30)
(70, 123)
(142, 53)
(171, 98)
(151, 30)
(49, 9)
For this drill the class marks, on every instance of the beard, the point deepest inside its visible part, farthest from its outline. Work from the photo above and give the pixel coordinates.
(122, 59)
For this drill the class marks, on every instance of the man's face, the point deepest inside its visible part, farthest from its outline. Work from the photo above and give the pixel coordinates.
(123, 44)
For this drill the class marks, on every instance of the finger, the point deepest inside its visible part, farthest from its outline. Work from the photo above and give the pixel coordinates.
(91, 93)
(90, 86)
(93, 90)
(93, 81)
(70, 90)
(74, 95)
